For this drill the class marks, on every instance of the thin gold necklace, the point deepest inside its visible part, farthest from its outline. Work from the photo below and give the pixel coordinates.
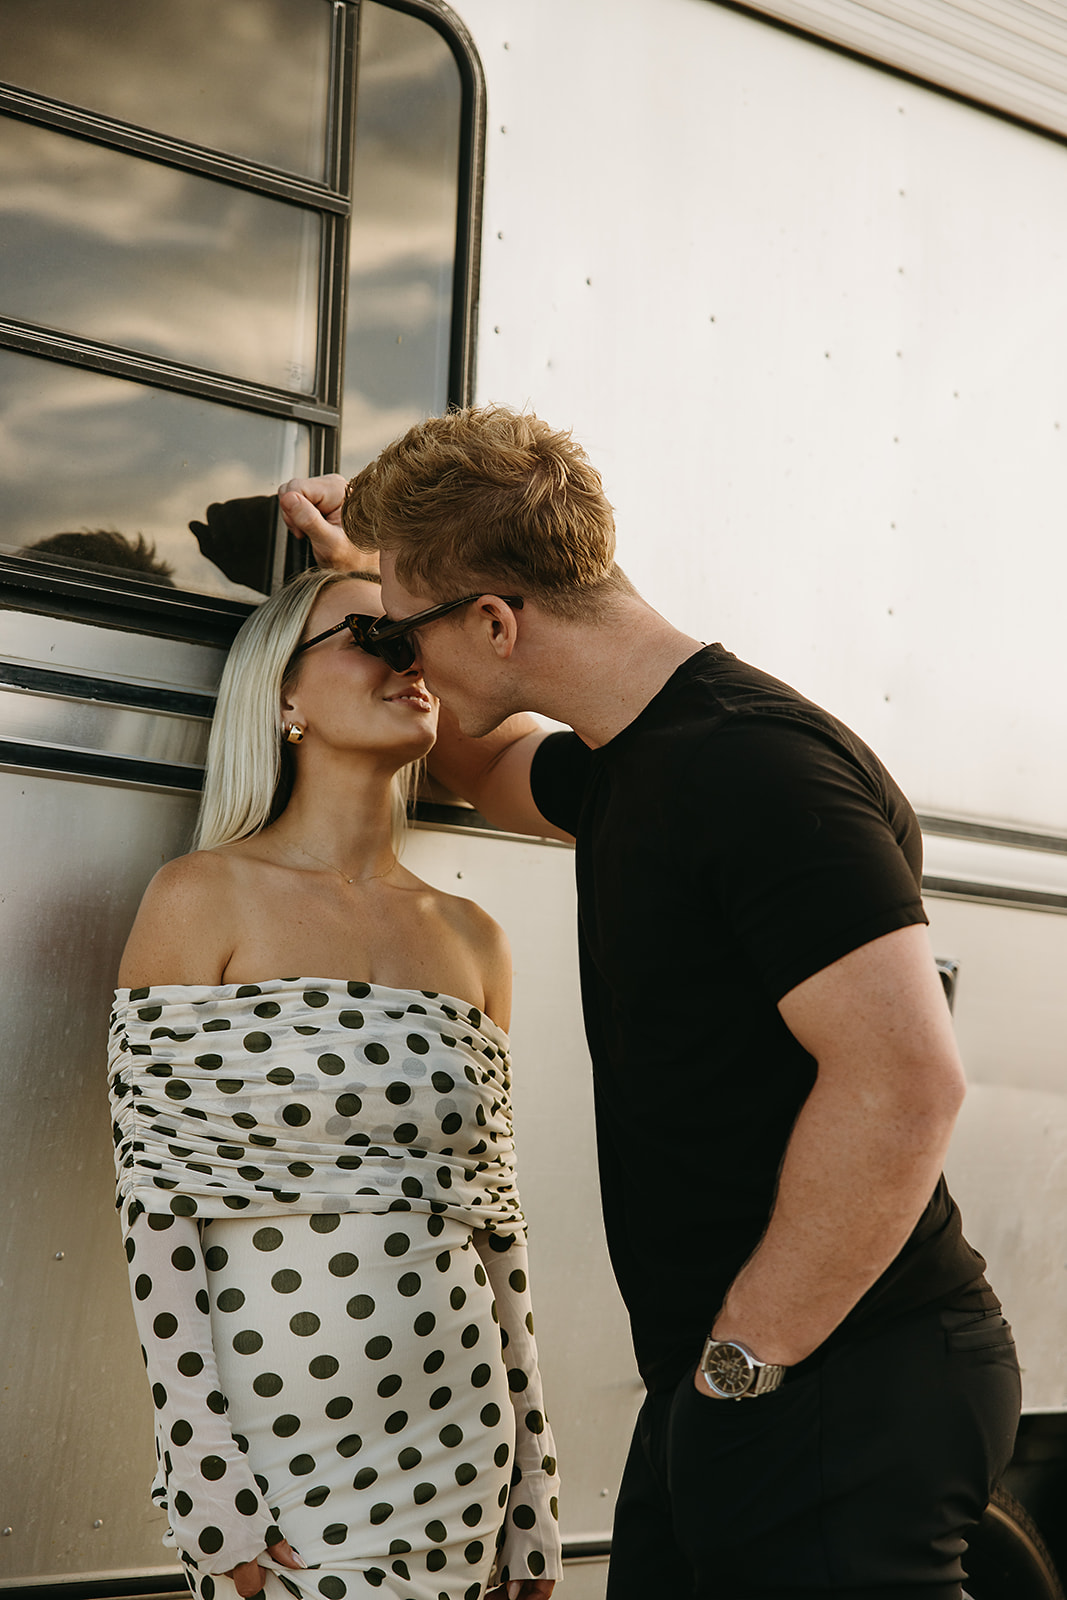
(323, 862)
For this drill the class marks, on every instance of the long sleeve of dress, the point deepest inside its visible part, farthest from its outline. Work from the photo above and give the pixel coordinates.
(529, 1545)
(214, 1503)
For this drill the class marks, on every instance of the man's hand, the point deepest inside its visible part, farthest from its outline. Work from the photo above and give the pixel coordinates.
(523, 1589)
(249, 1577)
(312, 511)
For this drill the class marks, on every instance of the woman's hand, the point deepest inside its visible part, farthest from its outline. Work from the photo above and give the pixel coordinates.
(523, 1589)
(249, 1577)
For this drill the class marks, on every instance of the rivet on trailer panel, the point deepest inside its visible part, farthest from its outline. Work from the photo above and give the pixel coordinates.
(59, 1255)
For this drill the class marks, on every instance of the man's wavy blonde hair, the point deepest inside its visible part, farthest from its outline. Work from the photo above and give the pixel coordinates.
(250, 769)
(490, 496)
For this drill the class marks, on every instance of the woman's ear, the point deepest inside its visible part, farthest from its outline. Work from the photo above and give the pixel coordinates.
(287, 706)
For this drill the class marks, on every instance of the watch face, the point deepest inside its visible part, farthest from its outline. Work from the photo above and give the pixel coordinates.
(729, 1370)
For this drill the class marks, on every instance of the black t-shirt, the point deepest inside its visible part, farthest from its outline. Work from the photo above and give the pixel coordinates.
(732, 841)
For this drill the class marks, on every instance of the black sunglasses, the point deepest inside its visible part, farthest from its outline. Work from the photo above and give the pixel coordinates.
(389, 640)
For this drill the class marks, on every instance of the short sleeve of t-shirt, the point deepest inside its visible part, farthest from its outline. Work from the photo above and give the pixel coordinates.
(808, 847)
(558, 779)
(788, 835)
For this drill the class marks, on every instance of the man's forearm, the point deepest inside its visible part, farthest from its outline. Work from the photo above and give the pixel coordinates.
(493, 772)
(854, 1182)
(464, 765)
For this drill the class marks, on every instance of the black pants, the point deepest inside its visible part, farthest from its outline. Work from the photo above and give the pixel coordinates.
(857, 1480)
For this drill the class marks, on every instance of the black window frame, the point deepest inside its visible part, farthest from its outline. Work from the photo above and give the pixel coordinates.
(35, 584)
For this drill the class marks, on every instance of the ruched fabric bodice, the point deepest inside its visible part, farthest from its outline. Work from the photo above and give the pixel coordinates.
(312, 1095)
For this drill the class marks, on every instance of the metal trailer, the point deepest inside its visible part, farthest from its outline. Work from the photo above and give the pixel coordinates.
(793, 273)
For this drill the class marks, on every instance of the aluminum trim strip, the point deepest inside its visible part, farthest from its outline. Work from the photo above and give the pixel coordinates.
(84, 686)
(104, 728)
(995, 894)
(98, 767)
(31, 639)
(993, 833)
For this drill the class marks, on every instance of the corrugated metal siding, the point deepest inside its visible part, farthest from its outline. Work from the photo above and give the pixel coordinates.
(1009, 54)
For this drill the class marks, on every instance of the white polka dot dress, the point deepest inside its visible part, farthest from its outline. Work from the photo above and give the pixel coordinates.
(328, 1265)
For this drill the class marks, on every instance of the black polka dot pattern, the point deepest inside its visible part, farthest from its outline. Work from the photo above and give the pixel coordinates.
(328, 1265)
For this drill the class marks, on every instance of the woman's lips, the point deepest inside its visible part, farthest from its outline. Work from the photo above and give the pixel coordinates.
(419, 698)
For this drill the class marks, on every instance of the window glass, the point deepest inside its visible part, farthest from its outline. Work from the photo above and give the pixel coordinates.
(403, 241)
(246, 76)
(98, 243)
(81, 453)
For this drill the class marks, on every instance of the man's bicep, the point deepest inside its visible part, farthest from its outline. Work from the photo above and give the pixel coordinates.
(880, 1007)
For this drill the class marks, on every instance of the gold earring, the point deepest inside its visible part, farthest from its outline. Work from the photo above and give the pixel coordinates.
(293, 733)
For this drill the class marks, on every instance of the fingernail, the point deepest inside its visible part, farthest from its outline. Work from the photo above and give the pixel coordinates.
(513, 1591)
(301, 1563)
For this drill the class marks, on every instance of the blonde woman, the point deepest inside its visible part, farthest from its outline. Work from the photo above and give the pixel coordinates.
(310, 1085)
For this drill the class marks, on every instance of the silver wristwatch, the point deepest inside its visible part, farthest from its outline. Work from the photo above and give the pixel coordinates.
(733, 1373)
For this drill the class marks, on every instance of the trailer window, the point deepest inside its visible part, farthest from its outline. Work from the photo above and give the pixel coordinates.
(192, 254)
(153, 259)
(252, 80)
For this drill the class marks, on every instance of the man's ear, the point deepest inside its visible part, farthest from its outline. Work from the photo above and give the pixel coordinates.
(503, 625)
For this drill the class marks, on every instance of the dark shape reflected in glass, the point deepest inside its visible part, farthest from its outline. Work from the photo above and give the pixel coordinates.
(403, 239)
(86, 451)
(237, 536)
(252, 80)
(106, 550)
(104, 245)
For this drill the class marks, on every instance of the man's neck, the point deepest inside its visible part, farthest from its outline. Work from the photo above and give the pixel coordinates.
(604, 676)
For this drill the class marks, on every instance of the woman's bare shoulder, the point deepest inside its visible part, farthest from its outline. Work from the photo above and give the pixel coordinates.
(465, 918)
(475, 922)
(183, 929)
(488, 944)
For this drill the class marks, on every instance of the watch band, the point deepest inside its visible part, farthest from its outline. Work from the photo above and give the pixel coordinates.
(768, 1378)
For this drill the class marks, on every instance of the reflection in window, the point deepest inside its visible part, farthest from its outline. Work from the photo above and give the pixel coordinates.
(140, 254)
(250, 79)
(101, 244)
(403, 241)
(83, 453)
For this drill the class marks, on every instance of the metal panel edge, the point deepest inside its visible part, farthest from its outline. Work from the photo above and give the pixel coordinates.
(943, 58)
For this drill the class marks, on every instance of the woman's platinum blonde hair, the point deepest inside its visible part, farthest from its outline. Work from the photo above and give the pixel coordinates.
(250, 771)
